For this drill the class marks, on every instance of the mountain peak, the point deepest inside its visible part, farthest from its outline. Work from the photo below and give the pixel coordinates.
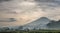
(37, 23)
(44, 18)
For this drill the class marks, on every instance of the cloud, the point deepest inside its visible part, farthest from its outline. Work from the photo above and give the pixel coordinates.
(27, 11)
(51, 9)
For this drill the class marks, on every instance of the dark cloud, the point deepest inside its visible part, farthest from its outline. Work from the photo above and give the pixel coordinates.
(7, 20)
(4, 0)
(45, 0)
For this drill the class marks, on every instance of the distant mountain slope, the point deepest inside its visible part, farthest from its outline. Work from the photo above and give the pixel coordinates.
(43, 23)
(54, 24)
(39, 23)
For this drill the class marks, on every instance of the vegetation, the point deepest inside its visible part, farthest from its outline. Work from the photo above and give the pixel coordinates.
(7, 30)
(35, 31)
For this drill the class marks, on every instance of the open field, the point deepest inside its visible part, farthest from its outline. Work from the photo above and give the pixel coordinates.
(35, 31)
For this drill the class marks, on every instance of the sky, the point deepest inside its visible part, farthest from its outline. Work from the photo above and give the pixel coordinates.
(25, 11)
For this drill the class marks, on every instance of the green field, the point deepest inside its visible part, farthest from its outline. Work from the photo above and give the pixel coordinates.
(34, 31)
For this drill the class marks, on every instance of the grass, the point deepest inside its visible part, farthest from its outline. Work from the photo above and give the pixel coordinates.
(34, 31)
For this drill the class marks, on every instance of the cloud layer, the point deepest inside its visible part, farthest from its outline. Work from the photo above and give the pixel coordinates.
(26, 11)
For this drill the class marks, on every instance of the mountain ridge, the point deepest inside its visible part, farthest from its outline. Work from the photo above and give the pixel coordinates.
(37, 23)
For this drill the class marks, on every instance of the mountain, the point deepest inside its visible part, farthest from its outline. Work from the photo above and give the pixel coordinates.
(54, 24)
(43, 23)
(39, 23)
